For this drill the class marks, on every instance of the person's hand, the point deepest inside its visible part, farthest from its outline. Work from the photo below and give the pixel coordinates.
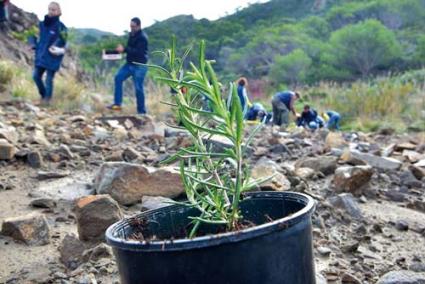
(120, 48)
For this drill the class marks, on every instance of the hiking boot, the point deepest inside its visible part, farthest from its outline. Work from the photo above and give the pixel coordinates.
(114, 107)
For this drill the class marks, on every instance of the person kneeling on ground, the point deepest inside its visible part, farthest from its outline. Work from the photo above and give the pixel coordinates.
(309, 119)
(282, 103)
(257, 111)
(333, 119)
(137, 52)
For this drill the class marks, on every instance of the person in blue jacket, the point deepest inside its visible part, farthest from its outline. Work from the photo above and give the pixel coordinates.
(309, 119)
(49, 51)
(137, 52)
(334, 118)
(3, 11)
(282, 104)
(257, 111)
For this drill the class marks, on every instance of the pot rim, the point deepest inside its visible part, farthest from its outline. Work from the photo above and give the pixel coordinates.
(216, 239)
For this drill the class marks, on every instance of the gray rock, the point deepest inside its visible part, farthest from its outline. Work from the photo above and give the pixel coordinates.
(408, 178)
(418, 172)
(417, 267)
(42, 175)
(71, 251)
(412, 156)
(420, 163)
(265, 169)
(324, 164)
(320, 279)
(402, 277)
(10, 134)
(395, 195)
(402, 225)
(32, 229)
(7, 150)
(383, 163)
(98, 252)
(86, 279)
(128, 183)
(335, 140)
(350, 279)
(155, 202)
(347, 202)
(305, 173)
(130, 154)
(352, 179)
(95, 213)
(65, 152)
(38, 137)
(35, 160)
(325, 251)
(43, 203)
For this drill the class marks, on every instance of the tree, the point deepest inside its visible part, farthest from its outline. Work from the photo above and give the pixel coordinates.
(365, 46)
(291, 68)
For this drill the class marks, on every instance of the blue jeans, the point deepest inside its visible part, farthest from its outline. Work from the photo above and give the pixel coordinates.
(44, 89)
(313, 125)
(334, 122)
(138, 73)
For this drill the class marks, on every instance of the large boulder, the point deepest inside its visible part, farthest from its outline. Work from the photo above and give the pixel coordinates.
(324, 164)
(352, 179)
(128, 183)
(32, 229)
(95, 213)
(402, 277)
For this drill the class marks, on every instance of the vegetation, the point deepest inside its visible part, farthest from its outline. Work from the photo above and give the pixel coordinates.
(213, 180)
(261, 39)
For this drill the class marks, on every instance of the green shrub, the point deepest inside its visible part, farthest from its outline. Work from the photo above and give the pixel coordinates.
(7, 72)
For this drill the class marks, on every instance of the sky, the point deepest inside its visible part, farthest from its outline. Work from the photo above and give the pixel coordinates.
(114, 16)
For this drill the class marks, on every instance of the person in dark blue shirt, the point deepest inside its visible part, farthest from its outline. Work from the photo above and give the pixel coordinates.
(257, 111)
(137, 54)
(309, 119)
(282, 104)
(49, 51)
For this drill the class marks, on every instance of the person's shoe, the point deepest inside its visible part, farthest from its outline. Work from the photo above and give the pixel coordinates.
(114, 107)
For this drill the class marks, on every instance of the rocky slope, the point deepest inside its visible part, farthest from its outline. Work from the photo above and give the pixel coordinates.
(57, 169)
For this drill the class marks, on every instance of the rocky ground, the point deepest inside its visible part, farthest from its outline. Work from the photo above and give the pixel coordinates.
(65, 178)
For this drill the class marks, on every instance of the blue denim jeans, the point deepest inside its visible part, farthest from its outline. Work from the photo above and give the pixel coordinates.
(44, 89)
(138, 72)
(334, 122)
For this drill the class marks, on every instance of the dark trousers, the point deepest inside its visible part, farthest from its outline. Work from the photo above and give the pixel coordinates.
(45, 89)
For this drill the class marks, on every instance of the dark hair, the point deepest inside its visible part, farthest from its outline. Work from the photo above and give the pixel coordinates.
(306, 107)
(298, 95)
(136, 20)
(242, 81)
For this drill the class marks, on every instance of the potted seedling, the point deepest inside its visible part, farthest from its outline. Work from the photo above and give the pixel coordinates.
(224, 232)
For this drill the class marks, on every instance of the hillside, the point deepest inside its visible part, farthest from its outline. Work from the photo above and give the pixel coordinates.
(264, 38)
(86, 36)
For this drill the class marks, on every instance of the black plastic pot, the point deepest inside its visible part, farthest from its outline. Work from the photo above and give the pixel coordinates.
(275, 252)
